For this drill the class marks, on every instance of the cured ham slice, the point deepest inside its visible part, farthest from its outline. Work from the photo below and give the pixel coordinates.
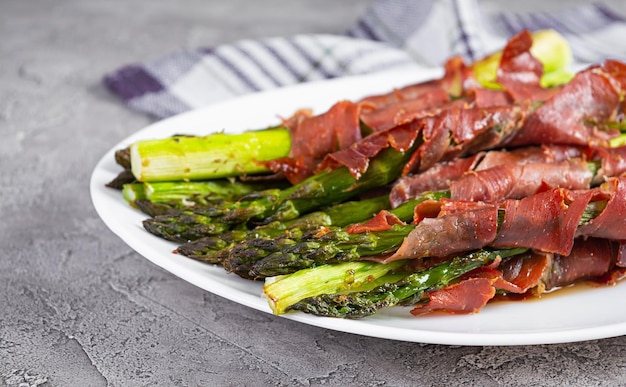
(547, 153)
(455, 231)
(315, 136)
(531, 272)
(547, 221)
(441, 175)
(576, 114)
(613, 160)
(470, 130)
(517, 181)
(611, 223)
(384, 220)
(436, 178)
(402, 111)
(590, 258)
(520, 72)
(468, 296)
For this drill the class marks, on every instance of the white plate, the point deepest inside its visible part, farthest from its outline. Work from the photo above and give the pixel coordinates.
(591, 313)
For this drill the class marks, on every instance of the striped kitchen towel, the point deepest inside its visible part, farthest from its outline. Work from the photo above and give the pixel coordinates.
(392, 34)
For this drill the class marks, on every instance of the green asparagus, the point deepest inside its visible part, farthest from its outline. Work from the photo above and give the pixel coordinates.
(283, 292)
(284, 296)
(214, 249)
(194, 192)
(208, 157)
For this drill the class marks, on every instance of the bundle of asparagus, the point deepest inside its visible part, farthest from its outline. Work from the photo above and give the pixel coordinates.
(322, 208)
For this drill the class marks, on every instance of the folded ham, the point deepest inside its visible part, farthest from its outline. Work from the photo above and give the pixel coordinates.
(548, 221)
(531, 273)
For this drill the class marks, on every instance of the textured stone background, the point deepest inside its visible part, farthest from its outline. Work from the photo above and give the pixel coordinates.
(80, 308)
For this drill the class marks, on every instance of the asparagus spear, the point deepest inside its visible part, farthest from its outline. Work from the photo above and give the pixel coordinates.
(295, 292)
(193, 192)
(213, 249)
(283, 292)
(208, 157)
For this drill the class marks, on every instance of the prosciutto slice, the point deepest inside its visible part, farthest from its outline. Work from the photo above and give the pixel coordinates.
(313, 137)
(465, 297)
(529, 273)
(517, 181)
(576, 114)
(520, 72)
(436, 178)
(467, 129)
(547, 153)
(613, 160)
(442, 174)
(402, 111)
(611, 223)
(547, 221)
(590, 258)
(473, 227)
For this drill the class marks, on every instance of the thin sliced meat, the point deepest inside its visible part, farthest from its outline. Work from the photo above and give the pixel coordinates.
(566, 118)
(405, 93)
(313, 137)
(467, 129)
(590, 258)
(547, 221)
(436, 178)
(482, 97)
(613, 160)
(530, 154)
(461, 132)
(524, 271)
(496, 277)
(517, 181)
(404, 110)
(452, 233)
(611, 223)
(384, 220)
(543, 221)
(465, 297)
(442, 174)
(520, 72)
(357, 157)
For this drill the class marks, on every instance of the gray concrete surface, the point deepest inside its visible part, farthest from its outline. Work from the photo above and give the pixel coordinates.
(80, 308)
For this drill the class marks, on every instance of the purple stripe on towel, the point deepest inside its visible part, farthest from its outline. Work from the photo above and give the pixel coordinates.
(608, 13)
(242, 76)
(287, 65)
(316, 63)
(131, 82)
(463, 35)
(364, 30)
(258, 65)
